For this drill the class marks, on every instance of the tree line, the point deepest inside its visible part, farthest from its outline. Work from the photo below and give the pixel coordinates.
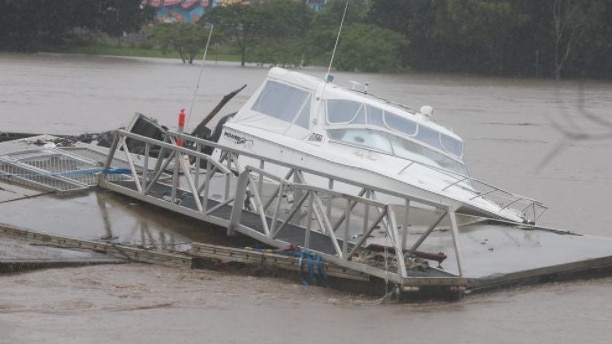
(543, 38)
(34, 25)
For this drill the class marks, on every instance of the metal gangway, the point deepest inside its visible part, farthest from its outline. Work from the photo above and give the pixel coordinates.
(362, 232)
(281, 209)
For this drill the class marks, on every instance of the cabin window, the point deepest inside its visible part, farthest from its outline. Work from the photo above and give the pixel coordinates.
(375, 116)
(303, 118)
(340, 111)
(397, 146)
(428, 136)
(283, 102)
(451, 145)
(401, 124)
(413, 151)
(366, 138)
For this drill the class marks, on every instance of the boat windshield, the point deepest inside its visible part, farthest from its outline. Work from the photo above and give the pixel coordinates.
(343, 112)
(394, 145)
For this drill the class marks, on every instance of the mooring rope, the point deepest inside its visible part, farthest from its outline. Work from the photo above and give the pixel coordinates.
(312, 260)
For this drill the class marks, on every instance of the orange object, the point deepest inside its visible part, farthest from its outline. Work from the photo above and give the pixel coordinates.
(181, 126)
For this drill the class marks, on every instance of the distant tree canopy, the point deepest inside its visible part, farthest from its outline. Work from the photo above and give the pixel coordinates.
(503, 37)
(361, 46)
(271, 31)
(543, 38)
(188, 39)
(282, 32)
(30, 25)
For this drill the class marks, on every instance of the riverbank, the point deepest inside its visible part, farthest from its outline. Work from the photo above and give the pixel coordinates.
(132, 51)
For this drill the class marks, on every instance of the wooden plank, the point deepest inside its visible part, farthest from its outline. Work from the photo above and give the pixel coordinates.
(117, 251)
(268, 258)
(18, 265)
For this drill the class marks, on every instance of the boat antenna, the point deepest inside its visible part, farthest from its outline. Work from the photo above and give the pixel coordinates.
(201, 70)
(331, 61)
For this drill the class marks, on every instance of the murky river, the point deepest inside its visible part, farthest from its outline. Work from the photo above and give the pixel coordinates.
(546, 140)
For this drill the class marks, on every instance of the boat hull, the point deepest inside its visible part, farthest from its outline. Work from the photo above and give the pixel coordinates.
(326, 166)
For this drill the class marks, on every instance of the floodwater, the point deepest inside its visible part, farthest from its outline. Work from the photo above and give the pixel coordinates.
(546, 140)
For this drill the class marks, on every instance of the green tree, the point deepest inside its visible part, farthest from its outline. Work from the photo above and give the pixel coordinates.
(265, 32)
(573, 20)
(502, 37)
(117, 17)
(28, 25)
(188, 39)
(361, 46)
(595, 61)
(284, 27)
(412, 18)
(241, 23)
(368, 48)
(331, 15)
(482, 34)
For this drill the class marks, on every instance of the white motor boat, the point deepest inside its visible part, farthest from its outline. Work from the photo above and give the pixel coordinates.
(307, 121)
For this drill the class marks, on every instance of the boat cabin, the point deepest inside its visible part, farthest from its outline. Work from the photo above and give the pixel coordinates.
(312, 110)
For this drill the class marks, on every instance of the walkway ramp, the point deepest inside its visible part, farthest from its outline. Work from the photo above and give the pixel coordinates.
(440, 249)
(404, 243)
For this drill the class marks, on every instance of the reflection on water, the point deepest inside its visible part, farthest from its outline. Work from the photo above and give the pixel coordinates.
(143, 233)
(109, 217)
(130, 222)
(127, 221)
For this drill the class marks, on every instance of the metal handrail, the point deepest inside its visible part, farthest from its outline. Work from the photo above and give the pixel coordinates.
(247, 191)
(461, 178)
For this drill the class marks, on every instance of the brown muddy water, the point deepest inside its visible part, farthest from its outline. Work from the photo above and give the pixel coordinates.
(512, 129)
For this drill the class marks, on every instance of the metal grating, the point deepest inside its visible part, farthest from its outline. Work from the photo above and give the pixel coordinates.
(52, 169)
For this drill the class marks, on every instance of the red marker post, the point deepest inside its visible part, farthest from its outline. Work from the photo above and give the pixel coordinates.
(177, 165)
(181, 127)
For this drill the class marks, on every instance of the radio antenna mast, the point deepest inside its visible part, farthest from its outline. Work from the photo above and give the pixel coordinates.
(201, 70)
(331, 61)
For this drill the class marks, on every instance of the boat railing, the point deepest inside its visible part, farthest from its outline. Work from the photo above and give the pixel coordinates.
(528, 208)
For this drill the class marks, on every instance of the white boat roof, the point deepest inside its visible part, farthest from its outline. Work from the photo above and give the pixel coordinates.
(334, 91)
(297, 105)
